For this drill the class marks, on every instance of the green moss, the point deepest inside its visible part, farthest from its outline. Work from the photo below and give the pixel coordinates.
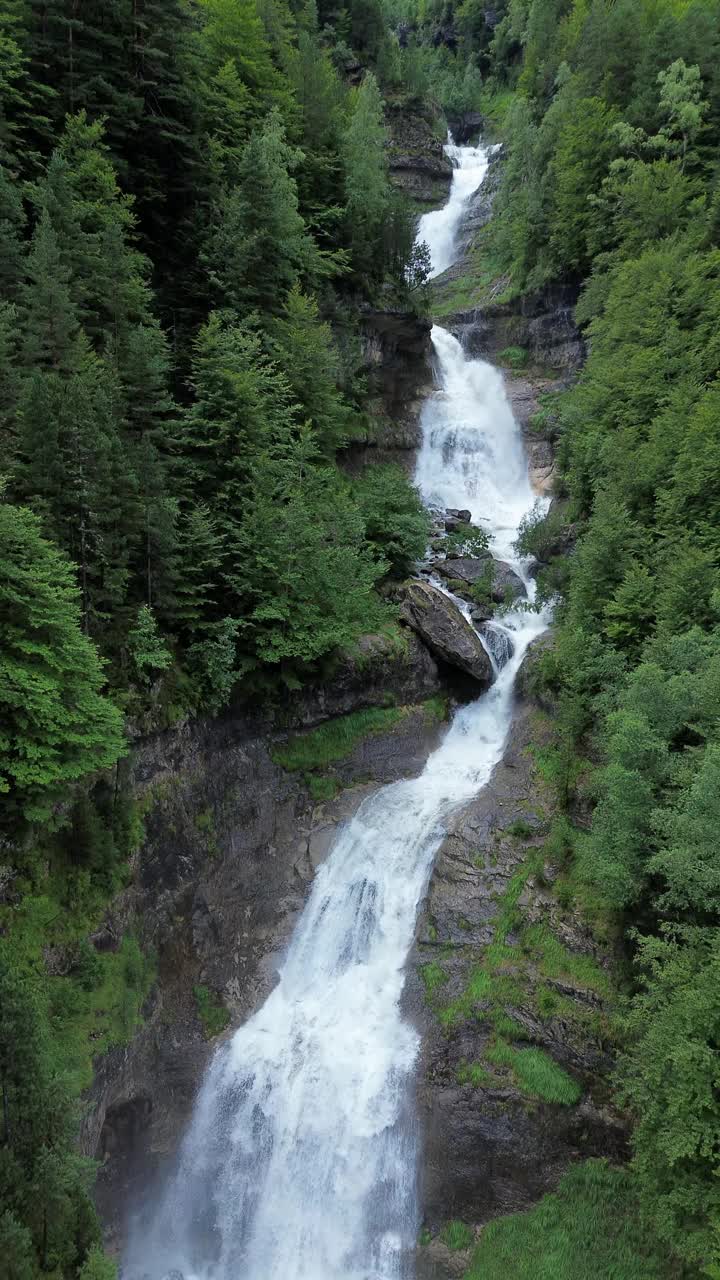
(433, 976)
(334, 740)
(514, 357)
(521, 830)
(535, 1073)
(473, 1073)
(323, 787)
(436, 710)
(457, 1235)
(555, 961)
(211, 1011)
(483, 282)
(590, 1228)
(204, 821)
(96, 1007)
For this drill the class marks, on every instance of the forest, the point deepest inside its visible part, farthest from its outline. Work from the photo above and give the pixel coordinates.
(195, 209)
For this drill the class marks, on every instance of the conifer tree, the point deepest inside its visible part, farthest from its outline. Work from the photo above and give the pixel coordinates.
(57, 725)
(258, 246)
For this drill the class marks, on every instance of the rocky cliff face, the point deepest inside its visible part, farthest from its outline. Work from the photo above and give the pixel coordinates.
(508, 989)
(396, 356)
(232, 843)
(418, 164)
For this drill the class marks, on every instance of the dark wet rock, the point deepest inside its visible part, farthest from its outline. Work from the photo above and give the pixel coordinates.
(498, 642)
(461, 514)
(507, 584)
(466, 569)
(469, 570)
(466, 127)
(441, 625)
(531, 683)
(481, 613)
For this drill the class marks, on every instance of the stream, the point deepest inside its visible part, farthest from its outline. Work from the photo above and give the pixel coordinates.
(301, 1158)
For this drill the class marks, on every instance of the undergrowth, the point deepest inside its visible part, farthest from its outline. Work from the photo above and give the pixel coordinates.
(590, 1228)
(211, 1011)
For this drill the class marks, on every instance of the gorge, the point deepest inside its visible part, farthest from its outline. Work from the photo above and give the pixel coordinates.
(301, 1155)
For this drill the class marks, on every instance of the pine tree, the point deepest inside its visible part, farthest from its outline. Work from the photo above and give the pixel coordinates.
(57, 724)
(366, 178)
(303, 346)
(50, 319)
(242, 407)
(259, 247)
(302, 570)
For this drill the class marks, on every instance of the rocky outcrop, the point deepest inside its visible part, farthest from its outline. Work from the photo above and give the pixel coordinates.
(540, 324)
(418, 164)
(480, 980)
(445, 631)
(504, 583)
(396, 363)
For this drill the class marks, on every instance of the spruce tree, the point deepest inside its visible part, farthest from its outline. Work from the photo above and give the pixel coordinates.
(57, 725)
(258, 246)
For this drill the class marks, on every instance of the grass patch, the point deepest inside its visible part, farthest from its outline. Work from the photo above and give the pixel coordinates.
(436, 710)
(590, 1228)
(535, 1073)
(334, 740)
(205, 824)
(211, 1011)
(433, 976)
(473, 1073)
(457, 1235)
(521, 830)
(484, 281)
(555, 961)
(514, 357)
(323, 786)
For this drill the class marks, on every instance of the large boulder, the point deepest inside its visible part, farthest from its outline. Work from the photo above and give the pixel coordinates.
(506, 583)
(439, 622)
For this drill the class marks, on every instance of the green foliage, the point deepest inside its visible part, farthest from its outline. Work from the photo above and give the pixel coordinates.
(473, 1073)
(610, 182)
(57, 723)
(211, 1011)
(48, 1222)
(457, 1235)
(397, 525)
(97, 1266)
(147, 651)
(194, 211)
(335, 740)
(591, 1226)
(433, 976)
(535, 1073)
(470, 540)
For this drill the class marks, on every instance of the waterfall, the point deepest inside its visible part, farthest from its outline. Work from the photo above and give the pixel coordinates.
(439, 229)
(300, 1161)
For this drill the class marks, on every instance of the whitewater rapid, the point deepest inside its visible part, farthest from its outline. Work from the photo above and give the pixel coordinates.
(300, 1161)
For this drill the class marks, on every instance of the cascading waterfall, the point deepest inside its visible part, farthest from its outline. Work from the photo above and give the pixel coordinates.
(300, 1160)
(439, 228)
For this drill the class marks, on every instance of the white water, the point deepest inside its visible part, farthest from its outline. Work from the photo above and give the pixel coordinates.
(300, 1160)
(439, 229)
